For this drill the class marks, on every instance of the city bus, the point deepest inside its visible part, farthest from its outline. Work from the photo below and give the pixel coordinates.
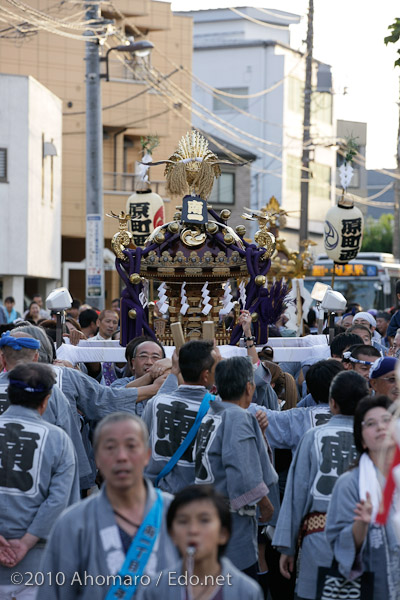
(370, 279)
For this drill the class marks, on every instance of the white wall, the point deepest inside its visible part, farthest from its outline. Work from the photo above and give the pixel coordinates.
(30, 241)
(44, 214)
(14, 194)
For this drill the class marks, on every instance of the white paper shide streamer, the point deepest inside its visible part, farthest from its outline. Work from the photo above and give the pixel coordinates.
(346, 174)
(205, 299)
(162, 304)
(144, 294)
(184, 300)
(143, 170)
(242, 294)
(227, 304)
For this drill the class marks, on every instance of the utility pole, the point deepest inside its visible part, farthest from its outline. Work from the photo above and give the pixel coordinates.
(94, 172)
(396, 210)
(305, 160)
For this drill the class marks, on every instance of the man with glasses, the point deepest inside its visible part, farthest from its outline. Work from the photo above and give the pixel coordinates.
(150, 368)
(382, 377)
(395, 348)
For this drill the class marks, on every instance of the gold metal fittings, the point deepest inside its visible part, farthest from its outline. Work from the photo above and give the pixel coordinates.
(193, 237)
(260, 280)
(225, 214)
(135, 278)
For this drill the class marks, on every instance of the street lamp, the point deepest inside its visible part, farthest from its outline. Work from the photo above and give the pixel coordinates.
(141, 49)
(94, 161)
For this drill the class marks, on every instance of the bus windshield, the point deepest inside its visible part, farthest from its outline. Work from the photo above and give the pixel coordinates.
(369, 280)
(368, 293)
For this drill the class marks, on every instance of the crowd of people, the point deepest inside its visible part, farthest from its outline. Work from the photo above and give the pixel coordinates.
(196, 476)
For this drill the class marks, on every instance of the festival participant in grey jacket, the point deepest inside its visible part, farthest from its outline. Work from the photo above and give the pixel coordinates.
(199, 523)
(38, 477)
(18, 348)
(323, 454)
(105, 544)
(170, 416)
(94, 400)
(358, 542)
(231, 454)
(286, 428)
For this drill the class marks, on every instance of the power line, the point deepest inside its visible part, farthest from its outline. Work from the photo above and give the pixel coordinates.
(145, 118)
(257, 21)
(271, 12)
(172, 104)
(35, 20)
(109, 106)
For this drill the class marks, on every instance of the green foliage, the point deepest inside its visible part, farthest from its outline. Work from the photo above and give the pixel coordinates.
(378, 234)
(351, 149)
(394, 37)
(149, 142)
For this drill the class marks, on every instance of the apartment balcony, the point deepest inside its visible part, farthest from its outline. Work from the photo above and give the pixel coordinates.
(125, 184)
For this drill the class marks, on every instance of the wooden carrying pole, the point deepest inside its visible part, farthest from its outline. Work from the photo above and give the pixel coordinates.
(177, 334)
(208, 330)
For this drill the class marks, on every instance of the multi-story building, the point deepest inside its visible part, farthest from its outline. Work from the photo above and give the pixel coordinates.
(58, 63)
(30, 186)
(250, 83)
(381, 185)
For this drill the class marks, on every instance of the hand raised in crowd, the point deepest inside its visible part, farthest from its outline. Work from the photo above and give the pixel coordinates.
(363, 510)
(175, 363)
(216, 353)
(160, 380)
(362, 520)
(262, 420)
(159, 368)
(63, 363)
(75, 336)
(245, 322)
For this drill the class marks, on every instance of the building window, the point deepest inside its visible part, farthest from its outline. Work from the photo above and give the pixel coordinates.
(296, 95)
(320, 183)
(3, 165)
(321, 103)
(242, 103)
(223, 191)
(321, 107)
